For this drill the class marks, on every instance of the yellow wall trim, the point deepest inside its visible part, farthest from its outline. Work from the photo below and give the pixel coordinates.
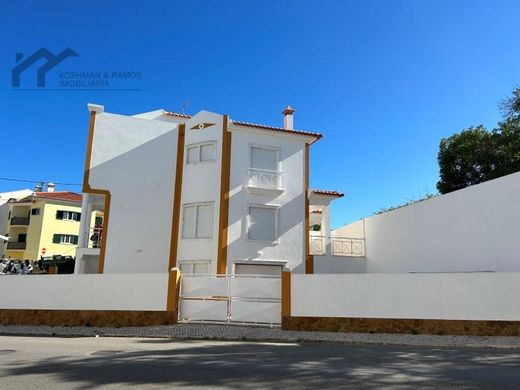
(224, 198)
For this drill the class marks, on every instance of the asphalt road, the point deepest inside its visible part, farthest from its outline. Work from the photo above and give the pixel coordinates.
(63, 363)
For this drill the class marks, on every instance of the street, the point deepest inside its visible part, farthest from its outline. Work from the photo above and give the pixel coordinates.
(62, 363)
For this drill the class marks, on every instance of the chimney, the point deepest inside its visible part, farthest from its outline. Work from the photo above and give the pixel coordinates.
(51, 187)
(288, 118)
(38, 187)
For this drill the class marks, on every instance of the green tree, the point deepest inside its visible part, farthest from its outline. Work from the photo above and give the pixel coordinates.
(476, 155)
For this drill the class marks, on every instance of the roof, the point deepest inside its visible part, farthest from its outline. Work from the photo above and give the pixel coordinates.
(178, 114)
(66, 196)
(258, 126)
(335, 194)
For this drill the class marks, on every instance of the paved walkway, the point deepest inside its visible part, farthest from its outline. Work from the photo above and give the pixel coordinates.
(254, 333)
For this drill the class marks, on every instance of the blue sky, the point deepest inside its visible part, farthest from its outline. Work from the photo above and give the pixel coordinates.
(383, 80)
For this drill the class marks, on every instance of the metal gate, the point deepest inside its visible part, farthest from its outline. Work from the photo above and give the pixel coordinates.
(230, 299)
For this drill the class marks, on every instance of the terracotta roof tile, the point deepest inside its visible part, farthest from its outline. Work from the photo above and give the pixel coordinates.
(280, 129)
(66, 196)
(328, 193)
(178, 114)
(258, 126)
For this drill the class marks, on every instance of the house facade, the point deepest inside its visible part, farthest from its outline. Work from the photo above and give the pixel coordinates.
(204, 193)
(43, 223)
(4, 214)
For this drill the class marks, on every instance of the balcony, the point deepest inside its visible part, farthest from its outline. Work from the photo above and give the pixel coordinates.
(16, 245)
(340, 246)
(264, 181)
(20, 221)
(317, 245)
(345, 246)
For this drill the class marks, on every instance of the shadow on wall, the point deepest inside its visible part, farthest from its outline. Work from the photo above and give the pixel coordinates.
(243, 248)
(141, 205)
(255, 365)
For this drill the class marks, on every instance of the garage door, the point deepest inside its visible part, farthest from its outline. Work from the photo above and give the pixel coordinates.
(258, 269)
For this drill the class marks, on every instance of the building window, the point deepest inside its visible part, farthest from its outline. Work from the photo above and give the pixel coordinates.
(262, 223)
(68, 215)
(65, 239)
(35, 211)
(200, 153)
(264, 158)
(195, 266)
(197, 220)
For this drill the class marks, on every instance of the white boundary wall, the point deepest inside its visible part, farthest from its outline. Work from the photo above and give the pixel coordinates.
(450, 296)
(146, 292)
(474, 229)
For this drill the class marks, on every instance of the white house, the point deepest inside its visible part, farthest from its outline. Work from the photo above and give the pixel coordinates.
(204, 193)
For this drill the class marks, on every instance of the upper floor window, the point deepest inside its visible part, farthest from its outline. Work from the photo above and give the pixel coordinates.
(262, 223)
(200, 153)
(197, 220)
(264, 158)
(68, 215)
(65, 239)
(264, 171)
(35, 211)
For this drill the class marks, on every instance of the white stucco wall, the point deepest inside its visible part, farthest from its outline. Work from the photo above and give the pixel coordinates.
(200, 184)
(85, 292)
(474, 229)
(451, 296)
(291, 208)
(135, 160)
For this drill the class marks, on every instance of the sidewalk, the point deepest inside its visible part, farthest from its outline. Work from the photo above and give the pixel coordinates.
(263, 334)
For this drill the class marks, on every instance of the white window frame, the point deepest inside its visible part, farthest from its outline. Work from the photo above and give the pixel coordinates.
(192, 263)
(199, 146)
(196, 205)
(69, 215)
(66, 239)
(266, 147)
(276, 219)
(36, 211)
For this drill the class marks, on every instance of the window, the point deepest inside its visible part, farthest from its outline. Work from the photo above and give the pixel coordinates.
(68, 215)
(35, 211)
(195, 266)
(64, 239)
(200, 153)
(262, 223)
(264, 158)
(197, 221)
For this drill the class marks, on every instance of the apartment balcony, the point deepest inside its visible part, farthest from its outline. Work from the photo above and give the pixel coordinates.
(264, 181)
(340, 246)
(20, 221)
(16, 245)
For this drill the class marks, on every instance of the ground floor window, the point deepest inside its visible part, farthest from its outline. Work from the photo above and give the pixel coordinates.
(195, 266)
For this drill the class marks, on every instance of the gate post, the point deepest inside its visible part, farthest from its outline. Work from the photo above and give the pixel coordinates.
(174, 286)
(286, 294)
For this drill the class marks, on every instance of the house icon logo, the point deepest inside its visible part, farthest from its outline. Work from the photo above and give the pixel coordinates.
(52, 61)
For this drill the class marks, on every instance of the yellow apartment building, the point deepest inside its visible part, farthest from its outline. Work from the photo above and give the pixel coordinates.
(44, 224)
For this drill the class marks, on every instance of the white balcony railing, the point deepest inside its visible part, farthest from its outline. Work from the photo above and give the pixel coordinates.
(340, 246)
(345, 246)
(264, 178)
(317, 245)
